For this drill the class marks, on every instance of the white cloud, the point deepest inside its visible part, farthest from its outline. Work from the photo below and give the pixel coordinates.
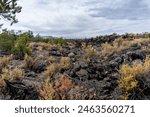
(71, 18)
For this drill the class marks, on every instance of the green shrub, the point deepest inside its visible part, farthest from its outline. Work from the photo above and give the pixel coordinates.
(147, 35)
(26, 36)
(58, 41)
(20, 48)
(7, 36)
(6, 45)
(14, 44)
(7, 41)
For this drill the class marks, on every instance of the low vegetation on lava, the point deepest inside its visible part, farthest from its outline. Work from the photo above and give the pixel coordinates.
(109, 67)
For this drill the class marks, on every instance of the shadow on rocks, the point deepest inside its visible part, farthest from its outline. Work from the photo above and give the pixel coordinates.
(17, 90)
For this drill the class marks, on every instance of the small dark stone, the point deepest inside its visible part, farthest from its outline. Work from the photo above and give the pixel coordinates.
(135, 55)
(82, 74)
(80, 64)
(55, 53)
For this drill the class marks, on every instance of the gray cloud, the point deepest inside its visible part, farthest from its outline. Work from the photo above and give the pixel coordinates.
(83, 18)
(128, 9)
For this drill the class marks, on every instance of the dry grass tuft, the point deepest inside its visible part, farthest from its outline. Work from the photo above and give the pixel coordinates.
(45, 46)
(17, 73)
(108, 49)
(40, 46)
(31, 45)
(65, 62)
(89, 52)
(31, 62)
(3, 62)
(47, 91)
(9, 75)
(51, 69)
(28, 62)
(52, 59)
(12, 74)
(116, 46)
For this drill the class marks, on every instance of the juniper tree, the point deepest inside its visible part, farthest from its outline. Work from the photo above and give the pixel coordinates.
(8, 10)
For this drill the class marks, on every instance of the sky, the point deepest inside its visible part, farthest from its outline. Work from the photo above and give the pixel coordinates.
(82, 18)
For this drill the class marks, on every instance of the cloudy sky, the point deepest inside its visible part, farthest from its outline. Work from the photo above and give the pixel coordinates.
(83, 18)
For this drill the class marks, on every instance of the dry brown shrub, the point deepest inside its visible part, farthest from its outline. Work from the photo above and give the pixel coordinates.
(62, 85)
(128, 74)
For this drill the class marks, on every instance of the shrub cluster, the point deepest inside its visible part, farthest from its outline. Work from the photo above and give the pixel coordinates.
(20, 48)
(16, 45)
(56, 41)
(7, 41)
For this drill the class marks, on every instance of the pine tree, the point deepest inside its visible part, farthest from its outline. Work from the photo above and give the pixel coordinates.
(8, 10)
